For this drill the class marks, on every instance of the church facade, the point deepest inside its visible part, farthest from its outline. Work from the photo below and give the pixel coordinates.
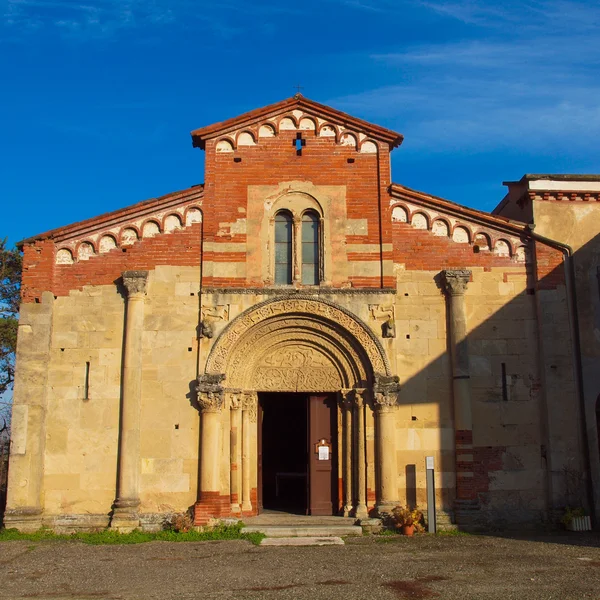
(299, 333)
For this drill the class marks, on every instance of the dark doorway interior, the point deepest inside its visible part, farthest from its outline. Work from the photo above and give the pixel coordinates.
(284, 437)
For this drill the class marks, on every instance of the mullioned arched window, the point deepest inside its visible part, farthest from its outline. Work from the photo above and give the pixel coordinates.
(310, 248)
(283, 248)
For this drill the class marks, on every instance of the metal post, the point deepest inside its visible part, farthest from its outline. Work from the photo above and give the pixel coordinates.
(430, 482)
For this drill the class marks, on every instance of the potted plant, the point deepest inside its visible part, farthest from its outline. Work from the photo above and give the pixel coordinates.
(575, 519)
(407, 519)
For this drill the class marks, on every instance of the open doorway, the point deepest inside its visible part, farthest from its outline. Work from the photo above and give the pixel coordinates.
(284, 433)
(294, 476)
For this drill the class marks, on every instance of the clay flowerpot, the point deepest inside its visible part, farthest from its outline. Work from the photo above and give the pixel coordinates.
(408, 529)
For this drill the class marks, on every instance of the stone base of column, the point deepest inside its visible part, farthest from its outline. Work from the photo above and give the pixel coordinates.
(361, 512)
(235, 507)
(348, 510)
(25, 520)
(211, 506)
(384, 509)
(125, 517)
(250, 507)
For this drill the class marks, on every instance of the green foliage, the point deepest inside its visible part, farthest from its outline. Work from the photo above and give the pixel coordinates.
(572, 513)
(10, 284)
(107, 536)
(453, 533)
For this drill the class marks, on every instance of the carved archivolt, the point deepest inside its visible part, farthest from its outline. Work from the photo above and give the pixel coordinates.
(299, 344)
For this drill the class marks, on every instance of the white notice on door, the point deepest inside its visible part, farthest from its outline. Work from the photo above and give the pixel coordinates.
(323, 452)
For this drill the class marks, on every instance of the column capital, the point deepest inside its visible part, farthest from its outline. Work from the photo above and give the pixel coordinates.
(346, 399)
(135, 282)
(455, 281)
(386, 391)
(250, 404)
(211, 395)
(233, 399)
(210, 401)
(360, 396)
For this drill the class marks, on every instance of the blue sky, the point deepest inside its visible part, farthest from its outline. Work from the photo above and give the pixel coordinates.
(98, 97)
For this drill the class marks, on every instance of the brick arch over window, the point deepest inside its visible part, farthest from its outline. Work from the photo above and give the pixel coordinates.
(297, 344)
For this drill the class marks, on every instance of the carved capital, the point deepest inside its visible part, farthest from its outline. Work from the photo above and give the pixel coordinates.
(211, 395)
(455, 281)
(233, 399)
(346, 399)
(361, 397)
(386, 391)
(250, 404)
(135, 282)
(210, 401)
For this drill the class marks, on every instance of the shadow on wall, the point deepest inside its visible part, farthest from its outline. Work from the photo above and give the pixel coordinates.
(530, 444)
(4, 450)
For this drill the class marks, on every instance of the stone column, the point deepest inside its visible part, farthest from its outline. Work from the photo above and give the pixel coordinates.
(386, 392)
(125, 514)
(361, 511)
(249, 413)
(211, 398)
(345, 401)
(297, 250)
(235, 451)
(455, 286)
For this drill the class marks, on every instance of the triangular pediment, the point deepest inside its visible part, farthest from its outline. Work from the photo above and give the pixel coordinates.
(298, 113)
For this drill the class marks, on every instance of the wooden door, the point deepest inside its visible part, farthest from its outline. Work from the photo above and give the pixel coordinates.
(322, 426)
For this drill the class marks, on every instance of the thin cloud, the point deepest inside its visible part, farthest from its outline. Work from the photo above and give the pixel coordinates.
(106, 18)
(534, 86)
(563, 15)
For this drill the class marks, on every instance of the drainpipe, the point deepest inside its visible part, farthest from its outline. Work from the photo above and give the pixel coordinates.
(572, 300)
(198, 338)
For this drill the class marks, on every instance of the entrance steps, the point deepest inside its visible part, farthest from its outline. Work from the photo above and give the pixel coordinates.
(302, 541)
(283, 525)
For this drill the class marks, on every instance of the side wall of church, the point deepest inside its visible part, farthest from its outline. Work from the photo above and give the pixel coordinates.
(575, 222)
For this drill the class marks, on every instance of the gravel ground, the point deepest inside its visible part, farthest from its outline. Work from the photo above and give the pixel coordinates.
(565, 566)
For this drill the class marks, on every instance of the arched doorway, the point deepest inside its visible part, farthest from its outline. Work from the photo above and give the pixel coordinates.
(327, 365)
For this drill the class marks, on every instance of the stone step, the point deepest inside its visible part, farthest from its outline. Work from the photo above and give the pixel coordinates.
(302, 541)
(297, 520)
(314, 531)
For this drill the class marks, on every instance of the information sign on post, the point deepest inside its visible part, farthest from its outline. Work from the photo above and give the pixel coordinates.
(430, 481)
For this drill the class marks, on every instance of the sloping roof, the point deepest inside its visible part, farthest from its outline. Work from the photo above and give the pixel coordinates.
(556, 177)
(458, 210)
(115, 217)
(199, 136)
